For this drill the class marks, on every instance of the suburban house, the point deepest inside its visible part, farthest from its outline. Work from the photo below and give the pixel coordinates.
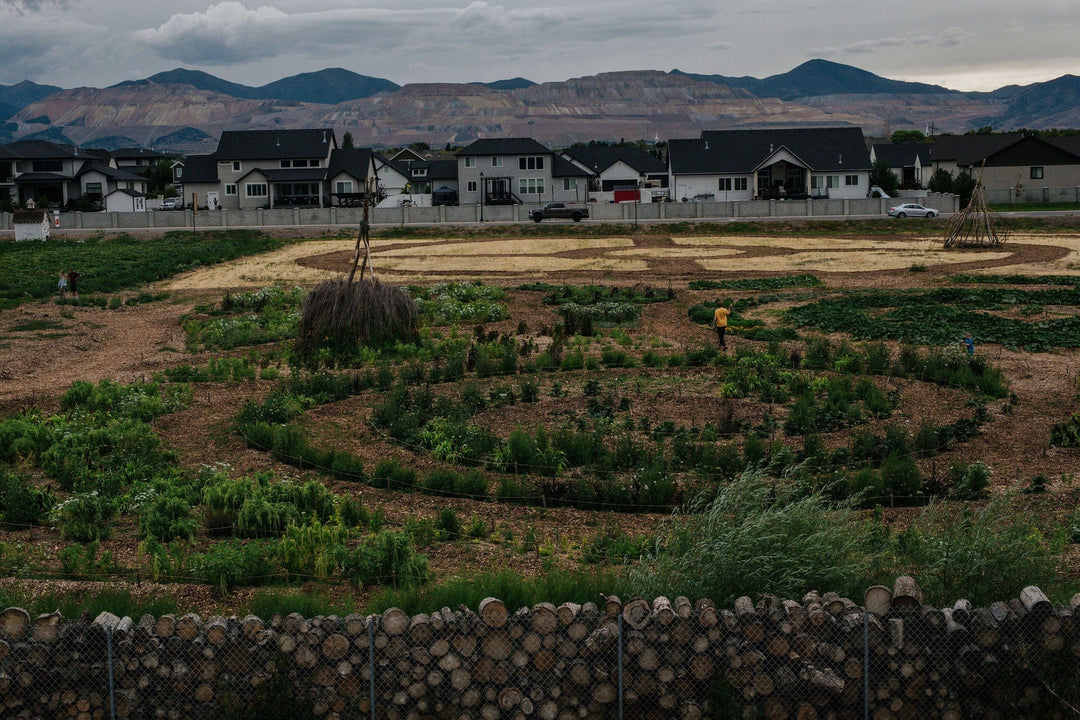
(97, 181)
(276, 168)
(514, 171)
(271, 168)
(909, 161)
(197, 177)
(347, 175)
(137, 159)
(620, 167)
(770, 164)
(45, 171)
(964, 153)
(1033, 162)
(393, 176)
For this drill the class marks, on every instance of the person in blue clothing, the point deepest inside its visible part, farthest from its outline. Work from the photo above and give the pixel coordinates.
(969, 344)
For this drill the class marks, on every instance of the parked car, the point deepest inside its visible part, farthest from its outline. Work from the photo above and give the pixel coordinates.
(173, 203)
(912, 209)
(560, 210)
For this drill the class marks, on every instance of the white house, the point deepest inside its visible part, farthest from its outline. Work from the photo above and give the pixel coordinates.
(771, 163)
(619, 167)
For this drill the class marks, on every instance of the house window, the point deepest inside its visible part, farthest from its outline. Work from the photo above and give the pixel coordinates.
(535, 162)
(314, 163)
(255, 190)
(850, 180)
(343, 186)
(725, 184)
(287, 164)
(569, 183)
(1037, 172)
(179, 172)
(230, 188)
(471, 186)
(496, 161)
(48, 166)
(93, 189)
(470, 162)
(740, 183)
(815, 182)
(236, 165)
(531, 186)
(832, 181)
(419, 172)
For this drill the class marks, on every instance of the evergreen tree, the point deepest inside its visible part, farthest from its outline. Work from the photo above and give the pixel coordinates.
(883, 176)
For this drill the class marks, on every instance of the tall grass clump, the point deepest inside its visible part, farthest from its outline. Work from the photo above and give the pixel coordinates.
(956, 551)
(756, 535)
(343, 315)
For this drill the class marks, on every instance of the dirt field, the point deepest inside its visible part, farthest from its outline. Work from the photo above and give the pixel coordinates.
(133, 342)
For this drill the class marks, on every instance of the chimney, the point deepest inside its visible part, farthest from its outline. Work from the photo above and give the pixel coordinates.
(324, 137)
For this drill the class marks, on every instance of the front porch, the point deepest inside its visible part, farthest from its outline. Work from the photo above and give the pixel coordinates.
(783, 179)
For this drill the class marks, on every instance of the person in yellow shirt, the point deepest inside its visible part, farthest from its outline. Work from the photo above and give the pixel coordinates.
(720, 320)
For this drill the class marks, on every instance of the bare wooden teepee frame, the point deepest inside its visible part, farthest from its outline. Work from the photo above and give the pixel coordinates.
(976, 225)
(363, 236)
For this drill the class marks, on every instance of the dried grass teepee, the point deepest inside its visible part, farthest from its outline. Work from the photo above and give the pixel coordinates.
(343, 314)
(976, 225)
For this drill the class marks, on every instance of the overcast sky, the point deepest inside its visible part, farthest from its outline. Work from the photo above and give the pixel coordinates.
(961, 44)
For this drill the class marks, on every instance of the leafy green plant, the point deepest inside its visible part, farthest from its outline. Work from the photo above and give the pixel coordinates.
(1067, 432)
(84, 518)
(167, 517)
(21, 503)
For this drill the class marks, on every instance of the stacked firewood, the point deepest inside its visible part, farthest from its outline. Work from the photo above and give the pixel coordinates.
(662, 659)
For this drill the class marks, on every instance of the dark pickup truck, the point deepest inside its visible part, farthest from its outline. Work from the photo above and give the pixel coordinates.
(560, 210)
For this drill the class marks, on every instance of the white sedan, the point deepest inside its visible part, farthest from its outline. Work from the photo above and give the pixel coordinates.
(912, 209)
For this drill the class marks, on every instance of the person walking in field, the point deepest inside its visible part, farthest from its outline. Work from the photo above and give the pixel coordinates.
(969, 344)
(62, 285)
(720, 321)
(73, 282)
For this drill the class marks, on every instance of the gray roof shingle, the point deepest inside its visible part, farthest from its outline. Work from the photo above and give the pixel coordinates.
(199, 169)
(968, 150)
(902, 154)
(742, 151)
(504, 146)
(600, 158)
(352, 161)
(274, 144)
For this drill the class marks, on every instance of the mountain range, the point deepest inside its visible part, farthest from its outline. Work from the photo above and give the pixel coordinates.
(186, 110)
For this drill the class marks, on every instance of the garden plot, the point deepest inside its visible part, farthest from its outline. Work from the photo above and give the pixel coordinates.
(543, 428)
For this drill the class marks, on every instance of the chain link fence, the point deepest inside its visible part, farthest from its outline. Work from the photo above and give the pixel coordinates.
(823, 657)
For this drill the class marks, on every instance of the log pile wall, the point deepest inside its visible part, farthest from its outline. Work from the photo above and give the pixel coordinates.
(821, 657)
